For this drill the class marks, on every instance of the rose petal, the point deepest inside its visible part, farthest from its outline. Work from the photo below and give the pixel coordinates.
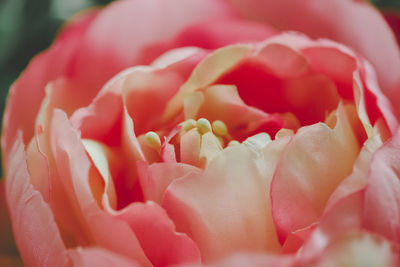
(255, 260)
(205, 73)
(358, 179)
(149, 86)
(36, 233)
(382, 197)
(304, 180)
(343, 217)
(358, 250)
(155, 178)
(157, 236)
(233, 188)
(216, 33)
(318, 19)
(100, 257)
(73, 167)
(124, 30)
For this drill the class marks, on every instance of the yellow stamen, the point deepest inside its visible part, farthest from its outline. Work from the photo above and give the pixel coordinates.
(219, 128)
(188, 125)
(203, 126)
(153, 140)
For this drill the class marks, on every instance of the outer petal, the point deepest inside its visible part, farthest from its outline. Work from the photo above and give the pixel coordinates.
(255, 260)
(382, 200)
(304, 179)
(155, 179)
(213, 34)
(156, 234)
(88, 257)
(226, 209)
(35, 231)
(320, 19)
(358, 250)
(73, 166)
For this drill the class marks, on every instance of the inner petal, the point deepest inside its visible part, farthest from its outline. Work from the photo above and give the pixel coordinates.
(309, 96)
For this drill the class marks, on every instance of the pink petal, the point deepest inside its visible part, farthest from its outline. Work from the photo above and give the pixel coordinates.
(358, 179)
(226, 209)
(360, 249)
(318, 19)
(343, 217)
(148, 86)
(190, 148)
(382, 199)
(254, 260)
(101, 119)
(300, 191)
(120, 35)
(155, 178)
(99, 257)
(157, 236)
(213, 34)
(73, 166)
(35, 230)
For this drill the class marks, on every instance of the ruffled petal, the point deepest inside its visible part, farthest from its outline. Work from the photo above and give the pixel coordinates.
(318, 19)
(255, 260)
(35, 230)
(99, 257)
(155, 178)
(73, 168)
(304, 179)
(157, 236)
(123, 32)
(226, 209)
(216, 33)
(382, 196)
(359, 249)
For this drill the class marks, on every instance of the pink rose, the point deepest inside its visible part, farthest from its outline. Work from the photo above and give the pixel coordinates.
(204, 132)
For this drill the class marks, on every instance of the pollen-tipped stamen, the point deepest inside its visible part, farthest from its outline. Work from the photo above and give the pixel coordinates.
(153, 140)
(203, 126)
(219, 128)
(188, 125)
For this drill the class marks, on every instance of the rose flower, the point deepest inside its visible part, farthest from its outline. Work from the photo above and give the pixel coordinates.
(206, 133)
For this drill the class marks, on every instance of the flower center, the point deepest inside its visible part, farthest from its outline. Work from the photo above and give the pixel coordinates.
(192, 142)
